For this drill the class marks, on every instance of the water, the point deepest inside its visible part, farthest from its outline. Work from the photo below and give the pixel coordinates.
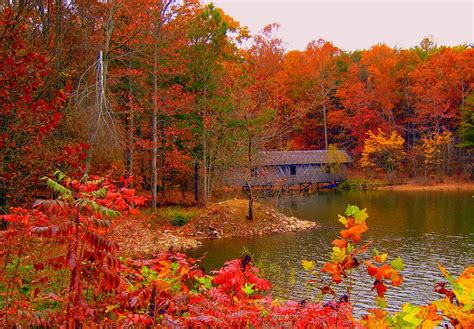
(421, 227)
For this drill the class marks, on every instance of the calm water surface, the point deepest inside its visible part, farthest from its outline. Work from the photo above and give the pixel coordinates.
(421, 227)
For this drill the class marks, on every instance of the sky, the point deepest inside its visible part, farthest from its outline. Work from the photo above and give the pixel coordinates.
(355, 24)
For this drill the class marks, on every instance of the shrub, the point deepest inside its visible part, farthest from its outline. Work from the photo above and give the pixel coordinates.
(86, 285)
(178, 220)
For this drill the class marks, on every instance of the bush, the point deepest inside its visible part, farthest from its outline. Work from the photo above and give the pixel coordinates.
(178, 220)
(89, 286)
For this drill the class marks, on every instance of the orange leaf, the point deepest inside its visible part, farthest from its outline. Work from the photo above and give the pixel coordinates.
(333, 270)
(340, 243)
(355, 232)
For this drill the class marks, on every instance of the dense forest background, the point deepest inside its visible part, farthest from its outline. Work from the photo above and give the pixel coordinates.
(163, 90)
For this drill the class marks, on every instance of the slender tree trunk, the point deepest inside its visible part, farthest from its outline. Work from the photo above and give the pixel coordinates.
(325, 127)
(3, 208)
(205, 146)
(204, 164)
(250, 212)
(154, 114)
(196, 181)
(130, 141)
(163, 154)
(154, 137)
(58, 42)
(249, 168)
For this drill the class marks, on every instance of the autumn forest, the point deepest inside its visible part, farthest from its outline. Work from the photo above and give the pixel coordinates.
(110, 109)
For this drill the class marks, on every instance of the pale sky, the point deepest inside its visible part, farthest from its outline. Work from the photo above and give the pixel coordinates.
(355, 24)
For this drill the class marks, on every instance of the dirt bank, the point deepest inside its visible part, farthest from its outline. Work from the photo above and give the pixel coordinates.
(229, 219)
(137, 238)
(149, 234)
(434, 187)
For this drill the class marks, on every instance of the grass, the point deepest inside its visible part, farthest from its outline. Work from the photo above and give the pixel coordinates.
(174, 215)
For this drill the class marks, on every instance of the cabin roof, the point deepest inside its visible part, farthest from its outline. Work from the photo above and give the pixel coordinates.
(282, 158)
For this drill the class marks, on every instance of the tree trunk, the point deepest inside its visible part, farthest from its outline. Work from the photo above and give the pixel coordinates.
(204, 165)
(58, 42)
(163, 154)
(250, 165)
(196, 181)
(130, 142)
(325, 127)
(3, 208)
(154, 137)
(250, 213)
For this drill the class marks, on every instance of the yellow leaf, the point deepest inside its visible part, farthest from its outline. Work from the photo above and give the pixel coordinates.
(308, 264)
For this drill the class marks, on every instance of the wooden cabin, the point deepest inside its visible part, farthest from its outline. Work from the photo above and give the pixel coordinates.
(292, 168)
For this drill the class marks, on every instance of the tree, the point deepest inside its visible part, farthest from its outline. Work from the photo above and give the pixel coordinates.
(383, 151)
(437, 92)
(309, 81)
(467, 123)
(371, 91)
(255, 97)
(323, 72)
(212, 37)
(28, 114)
(437, 152)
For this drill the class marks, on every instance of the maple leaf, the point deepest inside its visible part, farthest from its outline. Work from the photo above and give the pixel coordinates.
(355, 232)
(333, 270)
(381, 288)
(381, 258)
(340, 243)
(308, 265)
(338, 254)
(397, 264)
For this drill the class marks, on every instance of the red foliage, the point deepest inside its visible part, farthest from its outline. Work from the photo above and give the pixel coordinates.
(168, 290)
(29, 111)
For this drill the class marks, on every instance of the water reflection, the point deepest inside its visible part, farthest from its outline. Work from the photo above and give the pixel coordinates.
(422, 227)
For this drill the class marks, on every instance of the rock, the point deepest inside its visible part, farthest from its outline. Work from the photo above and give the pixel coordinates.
(215, 234)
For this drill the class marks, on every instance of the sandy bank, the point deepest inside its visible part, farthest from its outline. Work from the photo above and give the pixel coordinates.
(435, 187)
(229, 219)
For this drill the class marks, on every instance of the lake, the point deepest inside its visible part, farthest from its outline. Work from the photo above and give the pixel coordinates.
(422, 227)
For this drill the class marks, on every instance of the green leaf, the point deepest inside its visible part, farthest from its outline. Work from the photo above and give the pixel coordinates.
(397, 264)
(149, 274)
(351, 210)
(58, 188)
(248, 289)
(174, 266)
(205, 282)
(59, 175)
(358, 214)
(100, 193)
(111, 307)
(375, 252)
(338, 254)
(350, 247)
(343, 220)
(410, 314)
(361, 216)
(381, 302)
(97, 208)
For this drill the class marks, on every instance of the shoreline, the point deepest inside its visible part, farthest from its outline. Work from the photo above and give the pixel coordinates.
(225, 219)
(435, 187)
